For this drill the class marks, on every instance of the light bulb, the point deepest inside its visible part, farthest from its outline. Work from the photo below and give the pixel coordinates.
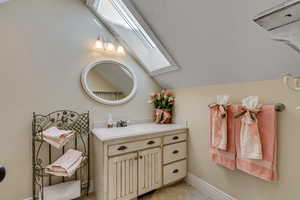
(99, 44)
(110, 47)
(120, 50)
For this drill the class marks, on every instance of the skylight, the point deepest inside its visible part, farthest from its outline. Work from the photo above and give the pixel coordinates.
(129, 27)
(133, 23)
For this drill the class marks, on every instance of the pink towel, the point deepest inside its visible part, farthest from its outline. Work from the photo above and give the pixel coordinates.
(67, 164)
(266, 168)
(56, 137)
(227, 156)
(249, 134)
(218, 126)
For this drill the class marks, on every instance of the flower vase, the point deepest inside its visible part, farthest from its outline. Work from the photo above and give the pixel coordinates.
(158, 115)
(166, 117)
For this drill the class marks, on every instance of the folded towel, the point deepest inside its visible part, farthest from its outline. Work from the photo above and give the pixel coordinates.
(56, 137)
(226, 158)
(219, 122)
(250, 141)
(56, 134)
(62, 191)
(266, 168)
(67, 164)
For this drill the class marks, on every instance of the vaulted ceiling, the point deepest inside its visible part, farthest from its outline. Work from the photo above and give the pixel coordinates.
(216, 41)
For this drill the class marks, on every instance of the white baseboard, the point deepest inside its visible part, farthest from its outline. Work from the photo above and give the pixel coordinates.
(207, 189)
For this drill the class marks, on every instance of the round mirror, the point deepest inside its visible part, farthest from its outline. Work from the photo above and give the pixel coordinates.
(109, 82)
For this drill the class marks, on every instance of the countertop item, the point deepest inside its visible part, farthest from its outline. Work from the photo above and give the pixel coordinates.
(106, 134)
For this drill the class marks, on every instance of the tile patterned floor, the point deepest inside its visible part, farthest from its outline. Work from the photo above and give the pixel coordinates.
(179, 191)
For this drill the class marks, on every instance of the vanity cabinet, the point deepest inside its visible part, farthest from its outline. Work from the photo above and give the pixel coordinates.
(150, 170)
(122, 177)
(129, 166)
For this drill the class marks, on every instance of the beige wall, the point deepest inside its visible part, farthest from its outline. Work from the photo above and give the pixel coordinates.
(191, 105)
(44, 46)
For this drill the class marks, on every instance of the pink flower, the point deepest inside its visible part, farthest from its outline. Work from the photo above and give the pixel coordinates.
(152, 94)
(168, 94)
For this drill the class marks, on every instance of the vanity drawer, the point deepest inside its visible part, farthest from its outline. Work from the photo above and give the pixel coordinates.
(174, 152)
(175, 138)
(133, 146)
(175, 172)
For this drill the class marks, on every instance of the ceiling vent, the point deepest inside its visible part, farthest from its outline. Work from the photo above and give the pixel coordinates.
(283, 22)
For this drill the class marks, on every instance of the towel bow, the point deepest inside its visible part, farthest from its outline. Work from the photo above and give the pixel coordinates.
(250, 140)
(249, 112)
(222, 108)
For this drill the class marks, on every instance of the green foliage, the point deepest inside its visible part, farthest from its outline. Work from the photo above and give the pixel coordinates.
(163, 100)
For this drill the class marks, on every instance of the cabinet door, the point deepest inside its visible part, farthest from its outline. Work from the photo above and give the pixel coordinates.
(122, 180)
(150, 170)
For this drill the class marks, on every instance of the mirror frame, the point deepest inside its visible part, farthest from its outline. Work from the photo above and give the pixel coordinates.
(101, 100)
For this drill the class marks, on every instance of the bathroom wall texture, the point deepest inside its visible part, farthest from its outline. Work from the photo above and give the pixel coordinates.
(44, 45)
(191, 105)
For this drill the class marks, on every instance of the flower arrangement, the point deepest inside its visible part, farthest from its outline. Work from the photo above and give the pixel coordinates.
(163, 103)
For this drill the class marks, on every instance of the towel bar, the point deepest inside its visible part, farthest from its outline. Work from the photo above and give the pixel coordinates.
(279, 107)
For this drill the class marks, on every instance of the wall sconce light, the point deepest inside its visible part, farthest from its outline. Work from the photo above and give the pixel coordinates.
(99, 43)
(108, 46)
(292, 82)
(120, 50)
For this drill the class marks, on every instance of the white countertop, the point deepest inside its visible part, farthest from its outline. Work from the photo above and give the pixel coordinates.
(106, 134)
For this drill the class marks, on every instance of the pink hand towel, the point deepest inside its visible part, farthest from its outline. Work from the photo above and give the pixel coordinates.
(219, 122)
(266, 168)
(56, 137)
(249, 135)
(219, 126)
(67, 164)
(227, 156)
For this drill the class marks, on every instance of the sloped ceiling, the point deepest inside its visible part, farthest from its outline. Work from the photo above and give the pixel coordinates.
(216, 41)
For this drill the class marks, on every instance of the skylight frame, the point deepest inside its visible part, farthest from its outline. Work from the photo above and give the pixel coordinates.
(149, 35)
(132, 22)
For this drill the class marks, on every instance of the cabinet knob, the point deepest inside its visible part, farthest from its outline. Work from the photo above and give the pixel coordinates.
(2, 173)
(122, 148)
(175, 152)
(175, 171)
(141, 157)
(175, 138)
(151, 142)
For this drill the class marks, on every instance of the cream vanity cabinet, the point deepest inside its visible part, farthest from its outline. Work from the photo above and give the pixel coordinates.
(127, 166)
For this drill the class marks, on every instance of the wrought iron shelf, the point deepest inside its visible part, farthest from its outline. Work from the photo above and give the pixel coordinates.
(42, 152)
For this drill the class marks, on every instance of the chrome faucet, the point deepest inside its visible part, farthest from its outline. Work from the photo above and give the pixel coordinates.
(122, 123)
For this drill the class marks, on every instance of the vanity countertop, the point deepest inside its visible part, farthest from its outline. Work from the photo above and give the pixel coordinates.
(106, 134)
